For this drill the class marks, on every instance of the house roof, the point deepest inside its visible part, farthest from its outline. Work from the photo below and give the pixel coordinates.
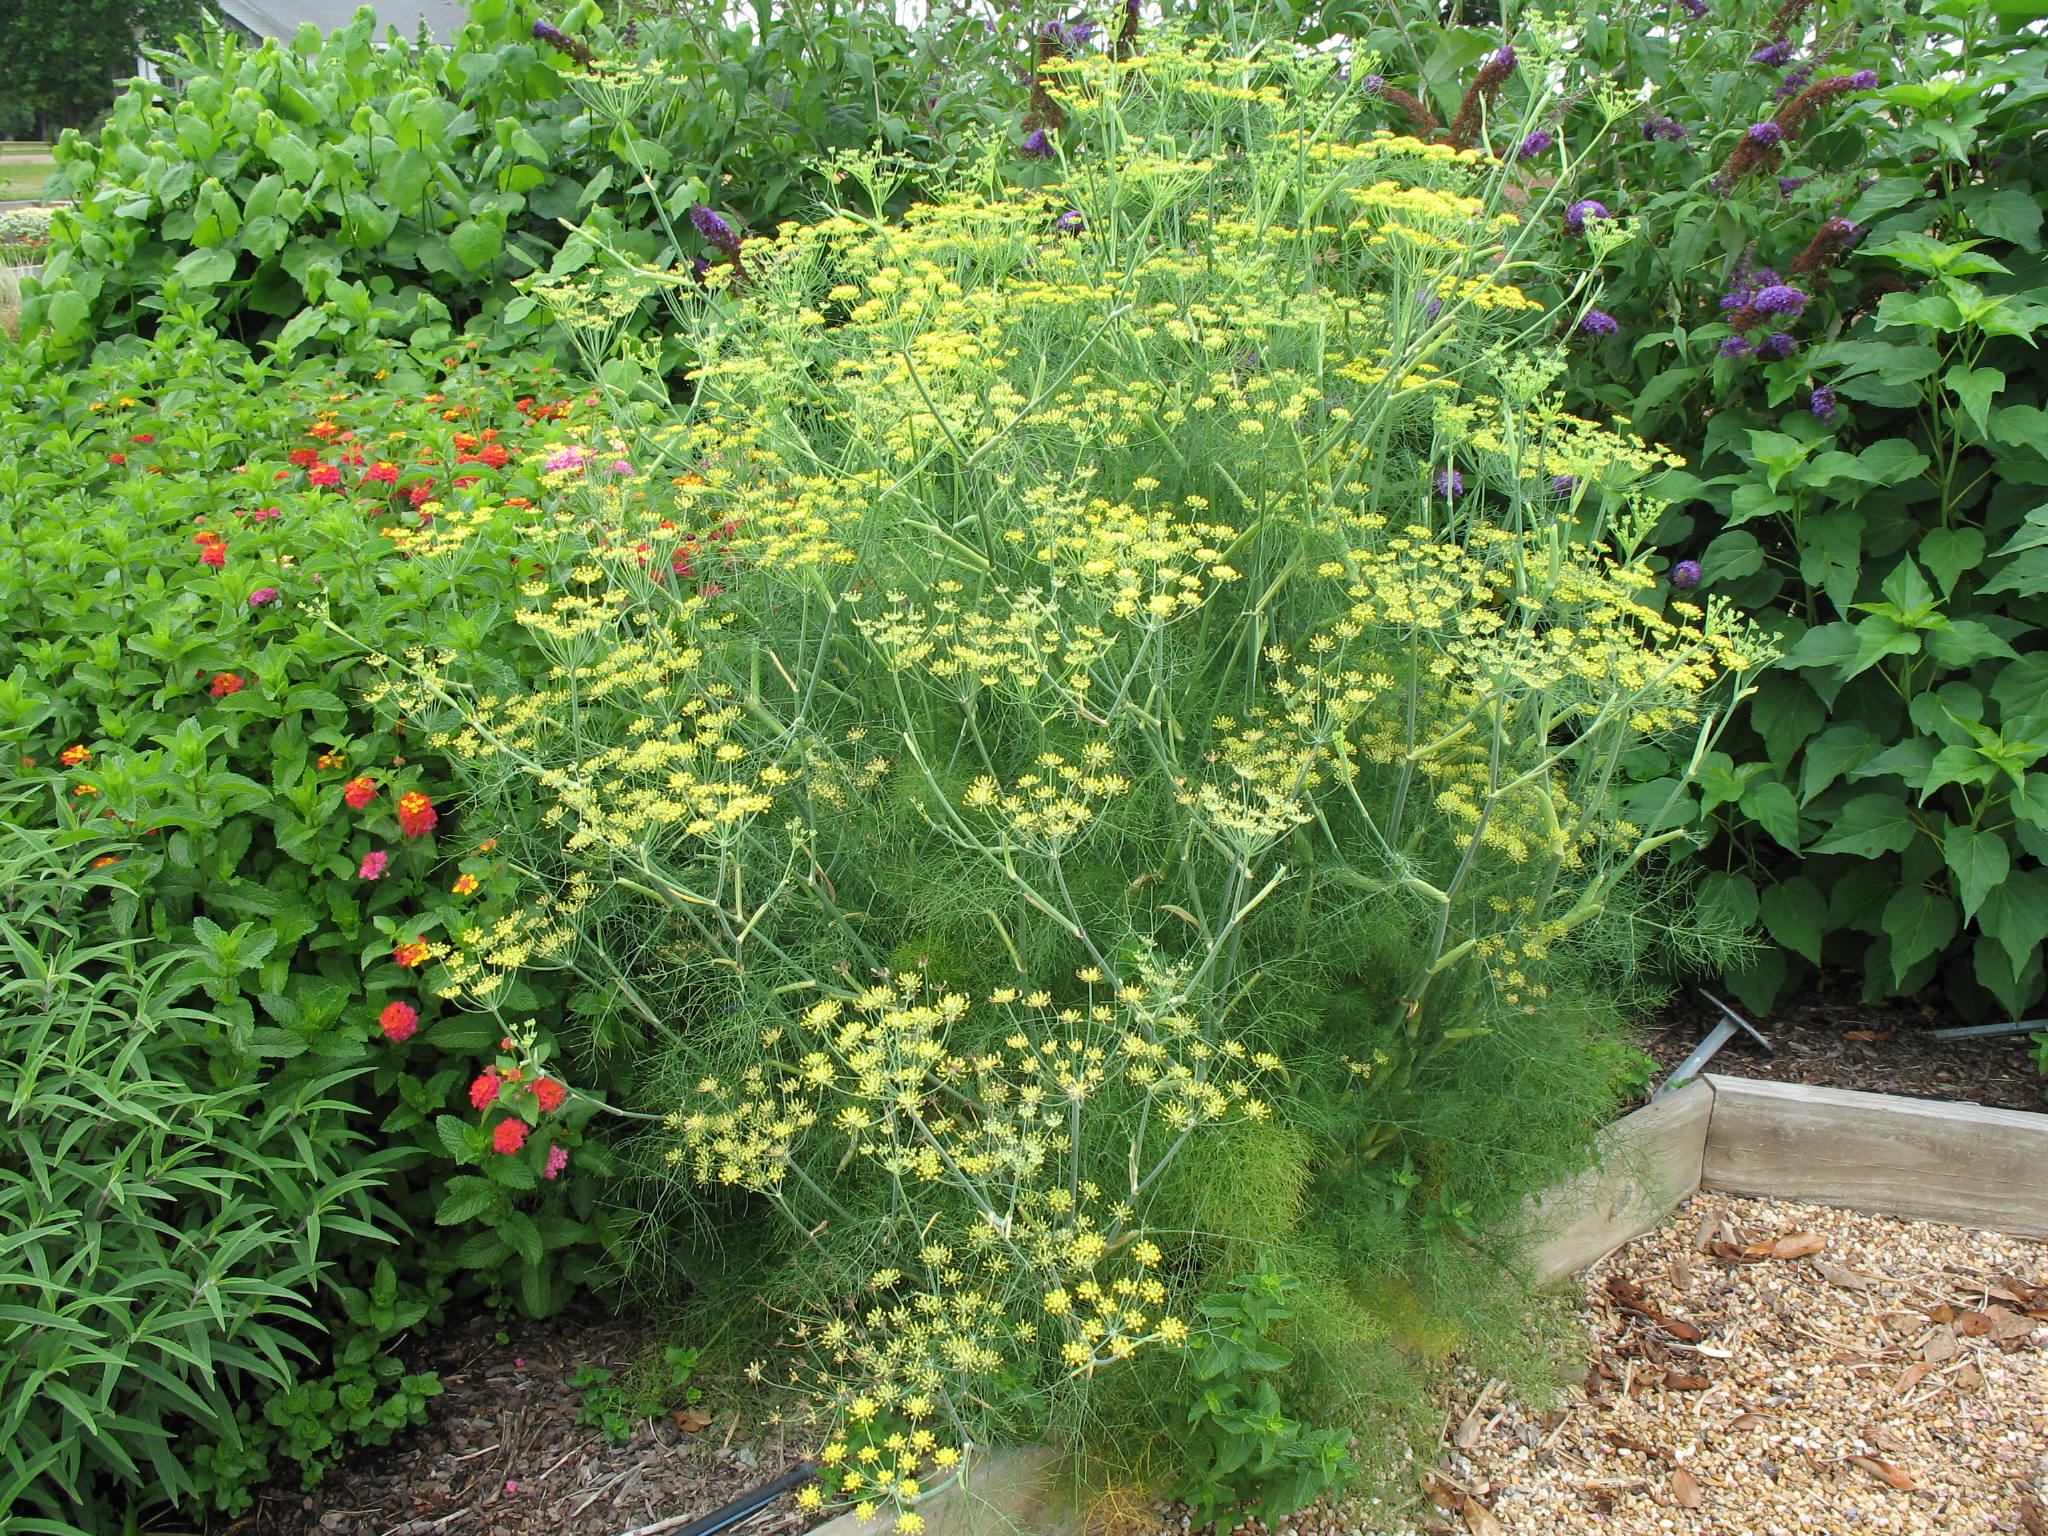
(283, 18)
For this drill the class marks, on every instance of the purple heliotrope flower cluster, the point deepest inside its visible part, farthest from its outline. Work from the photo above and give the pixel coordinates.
(1535, 144)
(1449, 483)
(1823, 403)
(716, 230)
(1038, 145)
(1774, 54)
(1576, 215)
(1669, 129)
(1765, 133)
(1070, 223)
(1686, 573)
(1597, 322)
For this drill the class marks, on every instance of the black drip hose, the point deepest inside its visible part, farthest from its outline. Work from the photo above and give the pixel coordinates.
(749, 1503)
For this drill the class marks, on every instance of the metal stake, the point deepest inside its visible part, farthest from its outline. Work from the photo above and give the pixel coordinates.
(1722, 1032)
(1988, 1031)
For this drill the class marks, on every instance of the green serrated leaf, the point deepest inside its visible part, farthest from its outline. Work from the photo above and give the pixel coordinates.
(1869, 825)
(1979, 860)
(1795, 913)
(1919, 923)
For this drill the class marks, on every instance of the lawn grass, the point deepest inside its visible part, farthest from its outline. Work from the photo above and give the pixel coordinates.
(24, 168)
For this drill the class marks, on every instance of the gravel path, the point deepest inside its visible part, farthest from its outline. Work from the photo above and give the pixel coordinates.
(1761, 1367)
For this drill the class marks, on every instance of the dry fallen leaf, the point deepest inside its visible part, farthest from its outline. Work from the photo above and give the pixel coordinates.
(2033, 1516)
(1942, 1312)
(1941, 1346)
(1969, 1378)
(1798, 1245)
(1885, 1472)
(1684, 1381)
(1910, 1378)
(2011, 1327)
(1838, 1274)
(1681, 1330)
(692, 1420)
(1750, 1421)
(1479, 1519)
(1685, 1488)
(1972, 1325)
(1868, 1034)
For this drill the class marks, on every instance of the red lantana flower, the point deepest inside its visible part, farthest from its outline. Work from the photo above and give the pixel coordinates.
(226, 683)
(509, 1136)
(305, 458)
(416, 814)
(215, 555)
(399, 1021)
(324, 476)
(359, 792)
(382, 470)
(117, 458)
(142, 437)
(71, 757)
(551, 1094)
(410, 955)
(483, 1093)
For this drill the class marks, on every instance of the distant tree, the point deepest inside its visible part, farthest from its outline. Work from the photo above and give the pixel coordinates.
(64, 56)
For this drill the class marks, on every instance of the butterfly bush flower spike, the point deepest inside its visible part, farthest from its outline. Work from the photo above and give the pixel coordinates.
(1686, 574)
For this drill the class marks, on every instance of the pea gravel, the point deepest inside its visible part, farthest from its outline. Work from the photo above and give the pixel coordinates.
(1764, 1369)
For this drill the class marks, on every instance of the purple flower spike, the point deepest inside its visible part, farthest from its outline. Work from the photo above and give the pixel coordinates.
(715, 229)
(1576, 215)
(1794, 82)
(1449, 483)
(1823, 403)
(1070, 223)
(1597, 322)
(1773, 54)
(1563, 485)
(1737, 346)
(1686, 574)
(1038, 145)
(1777, 344)
(263, 595)
(1696, 9)
(1765, 134)
(1372, 85)
(1779, 299)
(1863, 80)
(1669, 129)
(1534, 145)
(1506, 59)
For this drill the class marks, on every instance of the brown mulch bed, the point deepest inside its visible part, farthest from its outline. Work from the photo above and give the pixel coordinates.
(501, 1453)
(1827, 1038)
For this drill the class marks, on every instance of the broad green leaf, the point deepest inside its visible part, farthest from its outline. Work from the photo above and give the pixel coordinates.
(1979, 860)
(1773, 807)
(2026, 574)
(1786, 713)
(465, 1198)
(1837, 750)
(1880, 636)
(475, 245)
(1964, 642)
(1729, 897)
(1869, 825)
(2021, 692)
(1948, 552)
(1892, 460)
(1911, 759)
(1731, 556)
(1975, 388)
(2015, 912)
(2030, 801)
(1795, 913)
(1825, 645)
(1919, 923)
(2008, 214)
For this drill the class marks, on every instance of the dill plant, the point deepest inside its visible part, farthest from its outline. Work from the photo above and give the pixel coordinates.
(1087, 761)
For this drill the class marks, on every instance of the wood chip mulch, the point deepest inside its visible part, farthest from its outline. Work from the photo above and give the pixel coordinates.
(1763, 1368)
(1830, 1040)
(502, 1453)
